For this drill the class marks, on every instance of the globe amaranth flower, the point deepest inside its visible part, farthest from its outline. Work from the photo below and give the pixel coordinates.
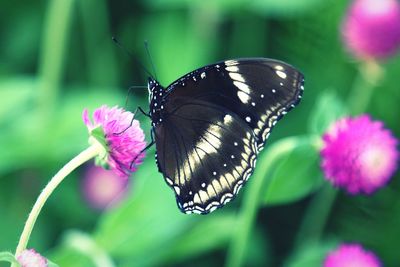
(351, 255)
(121, 137)
(371, 28)
(30, 258)
(359, 155)
(102, 188)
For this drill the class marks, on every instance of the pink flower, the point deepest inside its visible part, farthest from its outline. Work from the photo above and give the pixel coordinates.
(351, 255)
(371, 28)
(103, 188)
(359, 155)
(121, 136)
(30, 258)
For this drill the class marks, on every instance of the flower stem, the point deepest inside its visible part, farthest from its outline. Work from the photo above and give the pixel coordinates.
(316, 216)
(84, 156)
(370, 73)
(248, 212)
(58, 18)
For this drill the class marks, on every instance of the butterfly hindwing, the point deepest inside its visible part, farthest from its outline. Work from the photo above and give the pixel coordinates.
(210, 124)
(209, 155)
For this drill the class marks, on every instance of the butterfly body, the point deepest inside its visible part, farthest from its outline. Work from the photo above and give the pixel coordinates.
(210, 125)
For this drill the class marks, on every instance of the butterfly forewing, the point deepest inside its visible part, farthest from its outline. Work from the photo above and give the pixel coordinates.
(214, 121)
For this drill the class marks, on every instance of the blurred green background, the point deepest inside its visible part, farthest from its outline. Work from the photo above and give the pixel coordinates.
(57, 58)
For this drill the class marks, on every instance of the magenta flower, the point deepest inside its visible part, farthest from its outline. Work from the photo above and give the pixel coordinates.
(30, 258)
(371, 28)
(103, 188)
(359, 155)
(351, 255)
(122, 138)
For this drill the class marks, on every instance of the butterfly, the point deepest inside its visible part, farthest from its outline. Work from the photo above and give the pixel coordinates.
(210, 125)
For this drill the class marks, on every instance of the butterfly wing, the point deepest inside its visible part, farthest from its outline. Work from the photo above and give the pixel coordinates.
(216, 120)
(206, 155)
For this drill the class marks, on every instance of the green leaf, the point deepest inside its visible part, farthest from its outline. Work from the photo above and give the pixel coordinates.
(99, 135)
(296, 174)
(194, 243)
(328, 108)
(51, 264)
(9, 257)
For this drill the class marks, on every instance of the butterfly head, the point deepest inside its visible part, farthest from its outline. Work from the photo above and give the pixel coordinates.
(156, 100)
(151, 85)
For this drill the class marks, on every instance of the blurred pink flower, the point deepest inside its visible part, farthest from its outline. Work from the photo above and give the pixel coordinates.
(103, 188)
(351, 255)
(30, 258)
(371, 28)
(123, 138)
(359, 155)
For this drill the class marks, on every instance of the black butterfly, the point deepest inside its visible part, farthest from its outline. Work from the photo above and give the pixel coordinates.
(210, 125)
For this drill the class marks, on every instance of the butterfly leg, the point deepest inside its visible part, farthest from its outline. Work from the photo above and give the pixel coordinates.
(152, 142)
(130, 90)
(133, 118)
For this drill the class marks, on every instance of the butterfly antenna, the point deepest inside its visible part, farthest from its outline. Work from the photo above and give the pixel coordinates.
(146, 45)
(132, 55)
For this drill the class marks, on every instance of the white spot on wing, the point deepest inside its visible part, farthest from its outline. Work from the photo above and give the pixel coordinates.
(177, 190)
(232, 69)
(203, 195)
(231, 62)
(243, 97)
(213, 208)
(169, 181)
(242, 86)
(281, 74)
(227, 119)
(237, 77)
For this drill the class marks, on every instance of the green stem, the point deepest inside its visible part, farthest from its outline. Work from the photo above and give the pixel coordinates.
(84, 156)
(52, 56)
(316, 217)
(251, 200)
(369, 74)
